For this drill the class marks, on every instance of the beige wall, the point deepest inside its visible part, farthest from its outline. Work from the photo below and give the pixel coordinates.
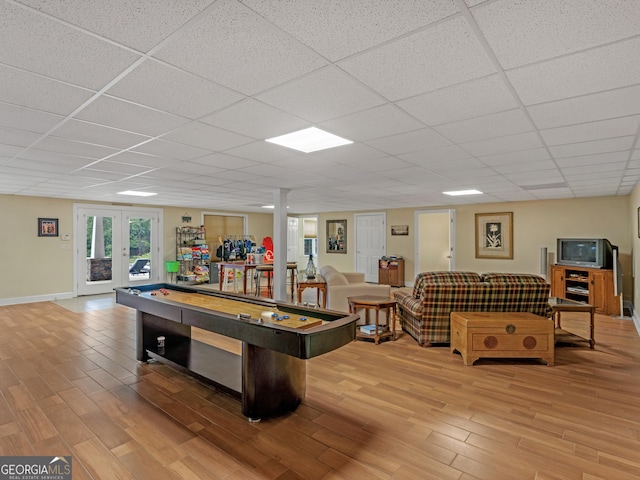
(38, 266)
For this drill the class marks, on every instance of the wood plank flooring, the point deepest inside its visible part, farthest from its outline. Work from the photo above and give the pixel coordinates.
(70, 385)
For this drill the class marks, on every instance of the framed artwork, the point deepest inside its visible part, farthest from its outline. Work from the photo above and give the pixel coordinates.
(47, 227)
(336, 236)
(638, 222)
(494, 235)
(399, 229)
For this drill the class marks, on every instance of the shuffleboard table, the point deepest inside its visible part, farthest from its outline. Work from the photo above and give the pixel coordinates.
(277, 337)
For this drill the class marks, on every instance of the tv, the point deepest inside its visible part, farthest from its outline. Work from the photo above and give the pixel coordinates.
(585, 252)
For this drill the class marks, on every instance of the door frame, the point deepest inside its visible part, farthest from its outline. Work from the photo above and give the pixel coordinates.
(452, 236)
(157, 247)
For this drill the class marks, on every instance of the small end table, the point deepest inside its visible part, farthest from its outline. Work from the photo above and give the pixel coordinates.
(376, 303)
(318, 283)
(565, 305)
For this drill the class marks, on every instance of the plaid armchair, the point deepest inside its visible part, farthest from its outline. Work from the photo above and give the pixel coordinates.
(424, 311)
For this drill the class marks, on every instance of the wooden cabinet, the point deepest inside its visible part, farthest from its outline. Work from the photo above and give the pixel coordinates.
(590, 285)
(391, 271)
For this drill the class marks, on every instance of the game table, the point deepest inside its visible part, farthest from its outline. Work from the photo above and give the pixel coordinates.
(277, 337)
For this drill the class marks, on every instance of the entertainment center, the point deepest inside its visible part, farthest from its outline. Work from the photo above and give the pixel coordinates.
(585, 272)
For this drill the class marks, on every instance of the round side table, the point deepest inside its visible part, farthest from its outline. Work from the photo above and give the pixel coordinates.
(376, 303)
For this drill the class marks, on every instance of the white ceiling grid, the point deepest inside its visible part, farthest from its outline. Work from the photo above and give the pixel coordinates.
(521, 99)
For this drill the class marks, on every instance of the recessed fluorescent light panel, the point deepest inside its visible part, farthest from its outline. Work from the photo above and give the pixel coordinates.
(133, 193)
(309, 140)
(463, 192)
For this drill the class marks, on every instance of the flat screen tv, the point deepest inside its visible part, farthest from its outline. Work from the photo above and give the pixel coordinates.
(585, 252)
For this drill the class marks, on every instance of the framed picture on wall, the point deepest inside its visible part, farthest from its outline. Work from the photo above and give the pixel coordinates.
(494, 235)
(638, 222)
(47, 227)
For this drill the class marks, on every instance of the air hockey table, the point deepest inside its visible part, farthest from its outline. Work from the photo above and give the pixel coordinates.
(277, 337)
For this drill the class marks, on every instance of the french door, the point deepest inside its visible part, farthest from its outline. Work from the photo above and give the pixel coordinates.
(116, 247)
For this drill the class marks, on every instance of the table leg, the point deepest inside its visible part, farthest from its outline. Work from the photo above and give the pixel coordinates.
(592, 340)
(221, 278)
(393, 321)
(244, 281)
(300, 290)
(377, 325)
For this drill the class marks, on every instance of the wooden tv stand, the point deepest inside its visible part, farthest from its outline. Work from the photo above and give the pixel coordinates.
(590, 285)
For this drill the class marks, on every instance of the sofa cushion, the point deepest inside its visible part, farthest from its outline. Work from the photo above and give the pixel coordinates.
(517, 278)
(443, 277)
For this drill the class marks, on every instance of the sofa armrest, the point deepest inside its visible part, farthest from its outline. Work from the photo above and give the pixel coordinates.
(354, 277)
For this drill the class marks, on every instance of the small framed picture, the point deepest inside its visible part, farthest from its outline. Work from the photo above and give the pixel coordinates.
(494, 235)
(399, 229)
(638, 222)
(47, 227)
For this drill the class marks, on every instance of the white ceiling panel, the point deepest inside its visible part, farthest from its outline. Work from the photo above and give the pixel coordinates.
(591, 131)
(521, 99)
(243, 51)
(154, 85)
(467, 100)
(448, 51)
(590, 108)
(489, 126)
(344, 28)
(409, 142)
(591, 71)
(323, 95)
(255, 119)
(524, 31)
(41, 93)
(597, 146)
(376, 122)
(27, 119)
(128, 116)
(139, 25)
(73, 57)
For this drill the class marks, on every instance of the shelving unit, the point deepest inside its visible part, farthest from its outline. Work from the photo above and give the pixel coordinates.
(391, 271)
(589, 285)
(192, 253)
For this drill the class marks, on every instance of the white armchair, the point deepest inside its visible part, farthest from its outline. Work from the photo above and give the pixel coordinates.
(341, 285)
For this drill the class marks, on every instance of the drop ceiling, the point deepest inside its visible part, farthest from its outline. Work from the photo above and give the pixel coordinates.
(520, 99)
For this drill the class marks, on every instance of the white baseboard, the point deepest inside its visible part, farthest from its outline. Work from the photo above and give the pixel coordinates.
(636, 322)
(36, 298)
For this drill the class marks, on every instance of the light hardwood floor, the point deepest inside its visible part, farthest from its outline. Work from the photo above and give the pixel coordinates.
(70, 385)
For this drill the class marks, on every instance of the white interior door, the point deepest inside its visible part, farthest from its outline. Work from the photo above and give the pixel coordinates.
(292, 239)
(370, 243)
(434, 240)
(116, 247)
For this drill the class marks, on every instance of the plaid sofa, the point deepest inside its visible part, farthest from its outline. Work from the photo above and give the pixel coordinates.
(425, 309)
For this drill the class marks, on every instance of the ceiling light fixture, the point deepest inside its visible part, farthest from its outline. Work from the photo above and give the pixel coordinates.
(133, 193)
(463, 192)
(309, 140)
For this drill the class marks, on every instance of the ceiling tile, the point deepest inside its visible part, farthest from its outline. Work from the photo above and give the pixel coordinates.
(438, 154)
(588, 148)
(73, 56)
(510, 143)
(467, 100)
(600, 158)
(164, 148)
(376, 122)
(524, 31)
(154, 85)
(225, 162)
(589, 108)
(519, 156)
(591, 71)
(27, 119)
(340, 29)
(489, 126)
(17, 138)
(323, 95)
(130, 117)
(591, 131)
(33, 91)
(71, 147)
(140, 25)
(243, 51)
(207, 137)
(448, 51)
(98, 134)
(409, 142)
